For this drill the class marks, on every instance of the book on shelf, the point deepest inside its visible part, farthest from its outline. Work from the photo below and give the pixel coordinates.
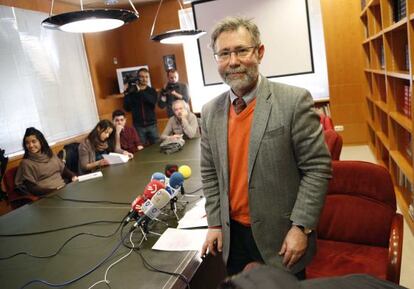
(406, 105)
(399, 10)
(406, 145)
(323, 109)
(411, 210)
(407, 58)
(403, 183)
(382, 56)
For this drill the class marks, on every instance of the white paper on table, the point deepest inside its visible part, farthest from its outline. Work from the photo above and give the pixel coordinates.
(90, 176)
(115, 158)
(195, 217)
(181, 240)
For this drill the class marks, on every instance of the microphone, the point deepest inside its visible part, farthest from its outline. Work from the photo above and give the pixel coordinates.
(170, 169)
(135, 209)
(159, 177)
(176, 180)
(152, 187)
(175, 184)
(185, 171)
(152, 207)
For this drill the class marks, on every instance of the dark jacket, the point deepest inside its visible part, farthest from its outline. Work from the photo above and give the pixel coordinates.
(181, 88)
(142, 106)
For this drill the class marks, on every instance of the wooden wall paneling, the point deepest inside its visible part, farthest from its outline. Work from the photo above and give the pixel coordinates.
(101, 48)
(343, 37)
(39, 5)
(131, 45)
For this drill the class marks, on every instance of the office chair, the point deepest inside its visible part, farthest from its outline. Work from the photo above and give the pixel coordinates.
(334, 142)
(16, 199)
(3, 165)
(359, 229)
(326, 122)
(70, 156)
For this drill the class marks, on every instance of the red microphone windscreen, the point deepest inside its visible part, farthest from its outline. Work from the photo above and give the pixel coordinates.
(152, 188)
(170, 169)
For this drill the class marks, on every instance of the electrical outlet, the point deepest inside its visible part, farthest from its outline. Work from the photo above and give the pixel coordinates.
(339, 128)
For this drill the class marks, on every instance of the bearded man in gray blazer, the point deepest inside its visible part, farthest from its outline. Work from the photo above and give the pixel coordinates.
(264, 163)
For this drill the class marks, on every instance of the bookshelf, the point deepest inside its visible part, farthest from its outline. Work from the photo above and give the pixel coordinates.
(322, 106)
(388, 51)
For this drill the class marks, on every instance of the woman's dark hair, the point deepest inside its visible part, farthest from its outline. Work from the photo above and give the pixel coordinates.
(45, 149)
(95, 133)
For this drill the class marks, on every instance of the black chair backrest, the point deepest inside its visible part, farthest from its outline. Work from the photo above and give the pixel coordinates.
(3, 164)
(70, 156)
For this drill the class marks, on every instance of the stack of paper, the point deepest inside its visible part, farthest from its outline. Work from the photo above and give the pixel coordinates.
(181, 240)
(115, 158)
(194, 218)
(90, 176)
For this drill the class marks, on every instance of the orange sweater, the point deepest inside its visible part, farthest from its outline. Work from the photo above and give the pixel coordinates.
(238, 151)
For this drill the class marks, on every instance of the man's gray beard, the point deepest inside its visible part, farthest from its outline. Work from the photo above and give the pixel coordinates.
(243, 83)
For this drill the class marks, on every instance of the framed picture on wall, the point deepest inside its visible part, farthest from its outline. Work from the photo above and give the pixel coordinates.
(169, 62)
(129, 75)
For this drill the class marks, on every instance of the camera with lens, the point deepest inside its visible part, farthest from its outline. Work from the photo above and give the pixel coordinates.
(132, 81)
(170, 88)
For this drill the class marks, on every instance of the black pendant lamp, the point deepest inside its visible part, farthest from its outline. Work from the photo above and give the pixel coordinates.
(177, 36)
(90, 20)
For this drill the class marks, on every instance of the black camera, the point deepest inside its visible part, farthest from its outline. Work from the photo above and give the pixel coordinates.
(169, 88)
(132, 81)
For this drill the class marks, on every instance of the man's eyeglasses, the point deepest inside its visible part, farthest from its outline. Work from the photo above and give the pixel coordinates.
(242, 52)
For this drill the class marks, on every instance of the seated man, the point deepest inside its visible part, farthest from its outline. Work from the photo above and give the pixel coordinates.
(128, 135)
(183, 124)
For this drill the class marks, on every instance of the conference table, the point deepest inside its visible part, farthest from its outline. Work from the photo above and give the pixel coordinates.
(89, 202)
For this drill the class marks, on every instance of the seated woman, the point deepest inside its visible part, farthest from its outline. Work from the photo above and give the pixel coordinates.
(40, 172)
(182, 125)
(101, 140)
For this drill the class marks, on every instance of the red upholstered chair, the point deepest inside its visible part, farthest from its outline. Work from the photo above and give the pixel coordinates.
(334, 142)
(14, 198)
(326, 122)
(359, 230)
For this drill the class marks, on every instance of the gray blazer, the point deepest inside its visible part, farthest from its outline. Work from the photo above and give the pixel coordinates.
(288, 168)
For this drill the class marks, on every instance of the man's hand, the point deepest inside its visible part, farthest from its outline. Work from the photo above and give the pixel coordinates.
(183, 114)
(174, 137)
(127, 153)
(213, 242)
(176, 95)
(118, 129)
(140, 147)
(293, 246)
(74, 178)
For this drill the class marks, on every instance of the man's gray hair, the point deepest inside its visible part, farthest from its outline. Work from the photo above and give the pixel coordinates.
(229, 24)
(181, 101)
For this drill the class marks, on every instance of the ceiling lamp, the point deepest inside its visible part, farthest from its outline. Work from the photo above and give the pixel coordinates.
(89, 20)
(177, 36)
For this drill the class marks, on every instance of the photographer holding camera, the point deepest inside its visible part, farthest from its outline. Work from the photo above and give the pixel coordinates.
(140, 99)
(173, 91)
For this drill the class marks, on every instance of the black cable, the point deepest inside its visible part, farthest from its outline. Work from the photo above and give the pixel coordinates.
(150, 267)
(195, 191)
(88, 201)
(63, 245)
(57, 285)
(58, 229)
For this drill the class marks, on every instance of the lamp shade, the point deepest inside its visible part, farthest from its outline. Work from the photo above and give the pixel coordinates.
(177, 36)
(90, 20)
